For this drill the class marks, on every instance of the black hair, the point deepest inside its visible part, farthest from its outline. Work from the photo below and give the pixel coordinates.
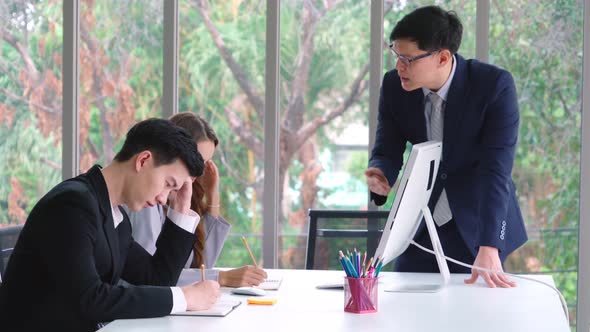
(432, 28)
(166, 141)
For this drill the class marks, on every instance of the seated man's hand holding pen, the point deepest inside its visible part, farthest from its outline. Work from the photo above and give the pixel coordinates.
(201, 295)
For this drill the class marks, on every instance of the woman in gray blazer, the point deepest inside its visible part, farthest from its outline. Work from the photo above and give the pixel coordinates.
(212, 229)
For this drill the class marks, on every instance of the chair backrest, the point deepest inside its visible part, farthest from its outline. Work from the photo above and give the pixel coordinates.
(8, 237)
(333, 230)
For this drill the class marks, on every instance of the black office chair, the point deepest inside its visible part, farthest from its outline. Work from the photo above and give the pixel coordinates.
(8, 237)
(333, 230)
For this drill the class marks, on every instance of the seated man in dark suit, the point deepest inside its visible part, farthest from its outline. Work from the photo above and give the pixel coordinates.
(76, 243)
(435, 94)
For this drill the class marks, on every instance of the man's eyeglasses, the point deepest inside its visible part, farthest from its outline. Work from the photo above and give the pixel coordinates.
(407, 61)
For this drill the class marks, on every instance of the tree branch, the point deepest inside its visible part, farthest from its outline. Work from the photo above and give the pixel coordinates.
(239, 178)
(330, 4)
(296, 107)
(558, 92)
(500, 10)
(97, 74)
(51, 163)
(239, 74)
(4, 70)
(93, 149)
(250, 140)
(30, 67)
(357, 88)
(28, 102)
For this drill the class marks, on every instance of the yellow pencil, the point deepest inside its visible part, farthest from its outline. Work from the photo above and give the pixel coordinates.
(249, 251)
(202, 272)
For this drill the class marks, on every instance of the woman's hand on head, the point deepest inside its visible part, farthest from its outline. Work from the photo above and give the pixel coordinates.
(210, 180)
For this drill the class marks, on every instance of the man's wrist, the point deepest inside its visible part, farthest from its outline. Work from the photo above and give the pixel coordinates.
(488, 249)
(181, 208)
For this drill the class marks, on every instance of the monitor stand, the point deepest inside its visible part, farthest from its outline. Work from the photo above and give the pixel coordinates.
(440, 259)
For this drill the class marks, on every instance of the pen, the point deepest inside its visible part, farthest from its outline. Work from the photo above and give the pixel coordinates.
(351, 267)
(355, 259)
(376, 262)
(358, 263)
(341, 260)
(363, 271)
(249, 251)
(202, 272)
(378, 268)
(368, 267)
(355, 255)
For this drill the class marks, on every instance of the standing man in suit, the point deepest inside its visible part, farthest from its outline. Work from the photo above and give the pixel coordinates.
(76, 243)
(435, 94)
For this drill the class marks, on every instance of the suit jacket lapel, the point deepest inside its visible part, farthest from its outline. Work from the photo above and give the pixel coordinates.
(455, 106)
(100, 186)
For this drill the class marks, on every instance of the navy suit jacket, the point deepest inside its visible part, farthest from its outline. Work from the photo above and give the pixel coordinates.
(480, 132)
(65, 267)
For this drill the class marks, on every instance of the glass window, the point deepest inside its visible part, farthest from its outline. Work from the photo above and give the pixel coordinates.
(221, 78)
(30, 104)
(323, 115)
(540, 43)
(121, 45)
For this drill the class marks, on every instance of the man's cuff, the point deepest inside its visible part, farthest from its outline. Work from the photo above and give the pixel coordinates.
(178, 300)
(187, 222)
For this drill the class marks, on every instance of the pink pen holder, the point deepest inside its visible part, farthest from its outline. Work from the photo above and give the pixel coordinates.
(360, 295)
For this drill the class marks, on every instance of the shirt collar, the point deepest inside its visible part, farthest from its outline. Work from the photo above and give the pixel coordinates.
(444, 90)
(117, 215)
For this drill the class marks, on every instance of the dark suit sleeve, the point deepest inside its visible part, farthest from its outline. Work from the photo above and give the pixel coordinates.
(388, 151)
(70, 257)
(498, 137)
(163, 268)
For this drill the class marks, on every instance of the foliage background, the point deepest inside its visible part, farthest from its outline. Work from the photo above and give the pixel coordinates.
(324, 54)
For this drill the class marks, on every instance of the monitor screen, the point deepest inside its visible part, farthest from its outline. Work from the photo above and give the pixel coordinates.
(411, 195)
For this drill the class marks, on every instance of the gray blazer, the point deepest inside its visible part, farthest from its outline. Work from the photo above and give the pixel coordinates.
(147, 224)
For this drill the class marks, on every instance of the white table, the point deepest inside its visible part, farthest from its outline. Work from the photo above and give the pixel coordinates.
(302, 307)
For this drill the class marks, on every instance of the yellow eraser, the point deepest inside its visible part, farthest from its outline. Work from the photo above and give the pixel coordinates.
(259, 300)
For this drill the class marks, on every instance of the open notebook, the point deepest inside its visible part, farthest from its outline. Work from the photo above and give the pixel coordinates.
(224, 306)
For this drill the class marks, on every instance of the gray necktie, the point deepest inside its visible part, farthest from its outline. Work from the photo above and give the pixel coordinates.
(435, 125)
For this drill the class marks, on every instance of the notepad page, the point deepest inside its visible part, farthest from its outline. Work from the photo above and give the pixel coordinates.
(221, 308)
(271, 283)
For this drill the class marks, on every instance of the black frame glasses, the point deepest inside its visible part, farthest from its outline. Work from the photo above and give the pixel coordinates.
(406, 60)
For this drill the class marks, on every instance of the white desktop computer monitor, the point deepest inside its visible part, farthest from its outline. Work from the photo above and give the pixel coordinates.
(409, 207)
